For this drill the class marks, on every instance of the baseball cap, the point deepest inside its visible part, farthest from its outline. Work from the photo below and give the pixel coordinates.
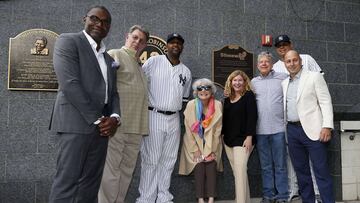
(282, 38)
(173, 36)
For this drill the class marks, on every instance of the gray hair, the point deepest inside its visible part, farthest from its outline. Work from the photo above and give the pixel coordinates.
(265, 54)
(141, 29)
(205, 82)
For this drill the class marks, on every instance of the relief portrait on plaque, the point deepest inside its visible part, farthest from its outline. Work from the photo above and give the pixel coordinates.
(30, 65)
(40, 47)
(228, 59)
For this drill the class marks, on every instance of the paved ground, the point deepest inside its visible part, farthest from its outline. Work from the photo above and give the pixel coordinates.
(257, 200)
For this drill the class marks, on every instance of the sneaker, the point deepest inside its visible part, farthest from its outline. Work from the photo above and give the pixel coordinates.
(264, 200)
(293, 197)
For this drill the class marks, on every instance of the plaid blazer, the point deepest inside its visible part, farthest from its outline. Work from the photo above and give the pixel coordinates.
(132, 89)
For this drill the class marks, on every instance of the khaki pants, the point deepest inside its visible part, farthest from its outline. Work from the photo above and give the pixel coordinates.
(120, 162)
(238, 159)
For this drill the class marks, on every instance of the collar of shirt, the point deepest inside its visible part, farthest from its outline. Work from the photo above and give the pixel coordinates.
(129, 51)
(94, 44)
(297, 76)
(271, 73)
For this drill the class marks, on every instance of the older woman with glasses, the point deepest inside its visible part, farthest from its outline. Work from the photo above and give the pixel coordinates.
(202, 146)
(239, 129)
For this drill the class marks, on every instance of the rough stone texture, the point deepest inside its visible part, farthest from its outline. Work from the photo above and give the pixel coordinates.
(327, 30)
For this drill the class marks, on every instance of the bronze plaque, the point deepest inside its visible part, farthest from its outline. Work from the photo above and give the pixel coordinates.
(229, 59)
(30, 61)
(155, 46)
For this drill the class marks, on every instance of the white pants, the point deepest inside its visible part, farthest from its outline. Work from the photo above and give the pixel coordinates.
(158, 156)
(238, 158)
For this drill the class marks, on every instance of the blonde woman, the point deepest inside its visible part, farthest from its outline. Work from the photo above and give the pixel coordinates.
(202, 146)
(239, 129)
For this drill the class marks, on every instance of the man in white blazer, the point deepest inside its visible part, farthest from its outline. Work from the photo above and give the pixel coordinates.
(309, 115)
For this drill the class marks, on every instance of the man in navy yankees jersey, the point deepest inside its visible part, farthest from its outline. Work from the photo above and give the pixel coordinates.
(169, 81)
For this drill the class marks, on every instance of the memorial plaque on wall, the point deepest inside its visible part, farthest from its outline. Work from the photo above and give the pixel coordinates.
(30, 61)
(155, 46)
(228, 59)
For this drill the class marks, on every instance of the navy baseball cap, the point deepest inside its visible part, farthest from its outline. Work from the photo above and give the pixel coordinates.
(282, 38)
(173, 36)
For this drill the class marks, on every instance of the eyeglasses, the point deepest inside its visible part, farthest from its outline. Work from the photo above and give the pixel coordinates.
(97, 20)
(203, 87)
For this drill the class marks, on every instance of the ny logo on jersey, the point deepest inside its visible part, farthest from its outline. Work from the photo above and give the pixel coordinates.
(182, 80)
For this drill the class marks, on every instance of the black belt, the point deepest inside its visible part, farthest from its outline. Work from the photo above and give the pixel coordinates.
(160, 111)
(297, 123)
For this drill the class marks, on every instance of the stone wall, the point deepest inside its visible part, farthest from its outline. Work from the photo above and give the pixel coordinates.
(328, 30)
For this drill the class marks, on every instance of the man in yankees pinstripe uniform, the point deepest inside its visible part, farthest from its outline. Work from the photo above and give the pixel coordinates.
(169, 81)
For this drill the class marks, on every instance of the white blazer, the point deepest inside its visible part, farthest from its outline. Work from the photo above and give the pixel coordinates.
(313, 103)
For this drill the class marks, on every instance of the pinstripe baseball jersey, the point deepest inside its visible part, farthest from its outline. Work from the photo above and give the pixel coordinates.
(167, 84)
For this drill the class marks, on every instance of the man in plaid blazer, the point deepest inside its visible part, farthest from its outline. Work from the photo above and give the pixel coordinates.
(124, 146)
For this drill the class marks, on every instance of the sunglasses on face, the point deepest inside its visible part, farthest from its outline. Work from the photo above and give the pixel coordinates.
(203, 87)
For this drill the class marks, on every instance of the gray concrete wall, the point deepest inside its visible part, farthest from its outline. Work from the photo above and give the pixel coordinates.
(328, 30)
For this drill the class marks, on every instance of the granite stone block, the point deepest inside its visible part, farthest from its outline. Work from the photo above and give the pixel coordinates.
(42, 189)
(255, 184)
(45, 166)
(306, 10)
(20, 139)
(186, 19)
(343, 52)
(17, 192)
(337, 187)
(4, 111)
(207, 43)
(23, 112)
(334, 161)
(210, 21)
(334, 72)
(344, 94)
(233, 38)
(2, 166)
(265, 8)
(293, 27)
(346, 12)
(197, 67)
(48, 95)
(335, 142)
(326, 31)
(353, 73)
(239, 23)
(188, 3)
(48, 141)
(221, 5)
(191, 44)
(5, 15)
(352, 33)
(43, 112)
(314, 48)
(21, 167)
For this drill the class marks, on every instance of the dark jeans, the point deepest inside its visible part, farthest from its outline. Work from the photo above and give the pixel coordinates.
(301, 148)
